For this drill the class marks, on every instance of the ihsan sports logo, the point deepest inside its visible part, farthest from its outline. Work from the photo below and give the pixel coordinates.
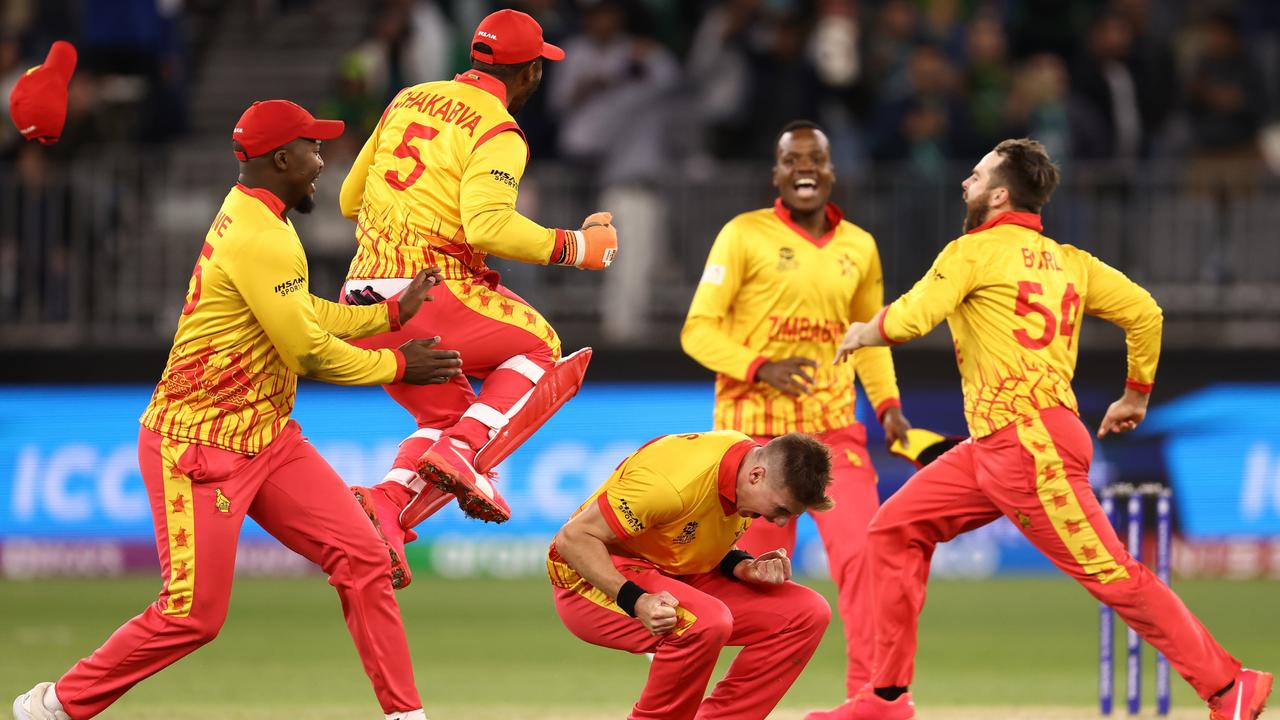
(289, 286)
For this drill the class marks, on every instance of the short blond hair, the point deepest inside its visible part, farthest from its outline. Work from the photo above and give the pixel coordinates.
(806, 468)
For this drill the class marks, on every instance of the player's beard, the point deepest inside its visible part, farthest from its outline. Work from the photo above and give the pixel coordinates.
(976, 211)
(306, 204)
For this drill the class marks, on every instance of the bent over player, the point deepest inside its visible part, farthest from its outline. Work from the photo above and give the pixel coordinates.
(780, 286)
(648, 564)
(1013, 300)
(217, 443)
(436, 183)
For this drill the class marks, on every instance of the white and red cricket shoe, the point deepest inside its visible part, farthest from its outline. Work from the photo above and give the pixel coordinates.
(448, 464)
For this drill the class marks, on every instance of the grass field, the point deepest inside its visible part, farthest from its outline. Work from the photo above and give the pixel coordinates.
(1023, 648)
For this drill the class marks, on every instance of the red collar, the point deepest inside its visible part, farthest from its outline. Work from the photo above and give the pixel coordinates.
(834, 216)
(484, 81)
(1009, 217)
(728, 479)
(266, 197)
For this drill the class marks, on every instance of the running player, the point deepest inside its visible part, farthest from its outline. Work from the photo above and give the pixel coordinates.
(217, 443)
(648, 565)
(780, 286)
(436, 183)
(1013, 300)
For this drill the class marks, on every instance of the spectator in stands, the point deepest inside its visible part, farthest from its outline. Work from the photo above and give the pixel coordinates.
(719, 76)
(926, 125)
(1040, 105)
(988, 77)
(613, 95)
(1226, 95)
(784, 84)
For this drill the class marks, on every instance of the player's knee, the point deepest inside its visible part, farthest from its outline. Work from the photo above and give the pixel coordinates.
(714, 624)
(810, 611)
(203, 625)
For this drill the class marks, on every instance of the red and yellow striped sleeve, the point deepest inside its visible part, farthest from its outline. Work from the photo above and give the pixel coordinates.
(874, 365)
(351, 322)
(933, 297)
(263, 272)
(705, 335)
(490, 184)
(1115, 298)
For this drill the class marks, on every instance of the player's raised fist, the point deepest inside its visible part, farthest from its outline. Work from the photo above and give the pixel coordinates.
(418, 292)
(424, 365)
(657, 611)
(592, 247)
(771, 568)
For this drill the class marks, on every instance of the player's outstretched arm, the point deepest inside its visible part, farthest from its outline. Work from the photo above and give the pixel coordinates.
(584, 543)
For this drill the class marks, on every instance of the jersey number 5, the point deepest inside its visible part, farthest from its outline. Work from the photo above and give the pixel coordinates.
(193, 294)
(405, 150)
(1026, 306)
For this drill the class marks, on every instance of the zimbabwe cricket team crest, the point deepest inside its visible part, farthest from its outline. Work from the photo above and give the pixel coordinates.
(220, 501)
(787, 259)
(687, 535)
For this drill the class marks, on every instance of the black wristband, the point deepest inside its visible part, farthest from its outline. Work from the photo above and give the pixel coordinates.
(731, 561)
(628, 594)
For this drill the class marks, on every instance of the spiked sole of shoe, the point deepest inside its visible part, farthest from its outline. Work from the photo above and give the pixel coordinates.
(400, 576)
(473, 504)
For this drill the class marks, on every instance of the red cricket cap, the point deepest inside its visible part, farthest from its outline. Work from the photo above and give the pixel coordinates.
(38, 103)
(268, 124)
(514, 38)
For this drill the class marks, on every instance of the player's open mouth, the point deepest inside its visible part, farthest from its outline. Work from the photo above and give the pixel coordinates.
(806, 188)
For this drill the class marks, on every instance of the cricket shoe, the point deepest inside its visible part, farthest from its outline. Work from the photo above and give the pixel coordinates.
(384, 513)
(448, 464)
(31, 705)
(844, 711)
(1245, 700)
(869, 706)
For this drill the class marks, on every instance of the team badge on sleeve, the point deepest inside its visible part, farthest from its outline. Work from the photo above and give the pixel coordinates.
(713, 274)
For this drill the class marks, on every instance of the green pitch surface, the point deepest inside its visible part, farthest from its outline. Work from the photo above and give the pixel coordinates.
(495, 649)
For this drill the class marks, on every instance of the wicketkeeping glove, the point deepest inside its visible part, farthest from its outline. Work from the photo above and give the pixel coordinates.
(591, 248)
(364, 296)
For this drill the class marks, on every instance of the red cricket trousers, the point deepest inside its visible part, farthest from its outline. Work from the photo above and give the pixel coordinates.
(503, 341)
(199, 498)
(777, 626)
(1036, 473)
(844, 535)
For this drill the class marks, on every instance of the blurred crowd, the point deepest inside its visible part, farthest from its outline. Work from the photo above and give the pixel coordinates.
(651, 90)
(650, 82)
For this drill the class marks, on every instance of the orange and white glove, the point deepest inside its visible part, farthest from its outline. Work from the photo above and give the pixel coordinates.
(590, 248)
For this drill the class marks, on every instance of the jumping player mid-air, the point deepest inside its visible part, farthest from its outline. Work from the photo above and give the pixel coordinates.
(1014, 300)
(436, 184)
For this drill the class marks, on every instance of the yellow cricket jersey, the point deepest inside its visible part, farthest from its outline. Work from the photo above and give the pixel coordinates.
(673, 503)
(771, 291)
(1013, 300)
(436, 184)
(250, 326)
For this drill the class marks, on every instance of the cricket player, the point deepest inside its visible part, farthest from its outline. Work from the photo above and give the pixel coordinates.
(1014, 300)
(217, 444)
(436, 184)
(648, 565)
(780, 286)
